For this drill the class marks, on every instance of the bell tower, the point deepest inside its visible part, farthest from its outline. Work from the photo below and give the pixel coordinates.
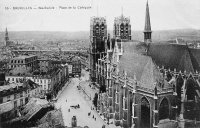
(122, 27)
(98, 35)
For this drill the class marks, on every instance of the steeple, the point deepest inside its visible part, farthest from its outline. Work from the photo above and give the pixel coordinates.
(147, 28)
(6, 36)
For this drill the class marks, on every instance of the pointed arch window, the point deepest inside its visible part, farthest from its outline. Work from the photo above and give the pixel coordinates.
(164, 109)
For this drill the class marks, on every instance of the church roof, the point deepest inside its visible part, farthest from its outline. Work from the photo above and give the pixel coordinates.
(134, 62)
(175, 56)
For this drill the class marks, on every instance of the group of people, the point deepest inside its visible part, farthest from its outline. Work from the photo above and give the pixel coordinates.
(75, 106)
(92, 86)
(92, 108)
(92, 116)
(78, 87)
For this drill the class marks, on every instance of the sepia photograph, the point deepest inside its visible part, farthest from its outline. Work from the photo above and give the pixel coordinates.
(99, 63)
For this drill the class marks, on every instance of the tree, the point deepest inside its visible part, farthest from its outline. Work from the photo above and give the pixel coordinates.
(21, 70)
(95, 99)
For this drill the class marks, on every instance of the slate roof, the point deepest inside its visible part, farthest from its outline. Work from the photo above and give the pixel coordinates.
(12, 88)
(133, 61)
(32, 107)
(54, 116)
(23, 57)
(175, 56)
(10, 85)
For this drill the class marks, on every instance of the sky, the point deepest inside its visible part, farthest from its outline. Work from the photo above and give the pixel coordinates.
(164, 14)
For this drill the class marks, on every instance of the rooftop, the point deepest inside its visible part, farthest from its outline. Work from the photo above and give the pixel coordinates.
(134, 62)
(10, 85)
(33, 107)
(52, 116)
(23, 57)
(173, 56)
(75, 58)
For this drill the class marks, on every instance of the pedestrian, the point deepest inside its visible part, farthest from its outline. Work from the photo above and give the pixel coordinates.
(69, 110)
(95, 118)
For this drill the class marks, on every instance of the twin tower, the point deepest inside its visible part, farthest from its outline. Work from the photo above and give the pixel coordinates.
(121, 30)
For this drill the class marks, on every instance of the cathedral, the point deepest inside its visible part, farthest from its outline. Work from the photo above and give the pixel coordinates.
(143, 84)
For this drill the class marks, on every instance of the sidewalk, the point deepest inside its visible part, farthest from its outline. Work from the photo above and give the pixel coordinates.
(88, 91)
(63, 88)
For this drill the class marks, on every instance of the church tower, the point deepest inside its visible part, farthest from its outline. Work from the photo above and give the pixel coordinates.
(122, 27)
(6, 37)
(147, 28)
(98, 35)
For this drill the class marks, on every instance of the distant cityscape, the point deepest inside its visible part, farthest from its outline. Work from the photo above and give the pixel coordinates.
(31, 79)
(101, 78)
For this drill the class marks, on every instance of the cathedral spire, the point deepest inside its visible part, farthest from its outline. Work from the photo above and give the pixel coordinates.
(6, 33)
(6, 36)
(147, 19)
(147, 28)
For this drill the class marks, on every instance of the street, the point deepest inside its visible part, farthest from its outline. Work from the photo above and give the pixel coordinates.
(75, 97)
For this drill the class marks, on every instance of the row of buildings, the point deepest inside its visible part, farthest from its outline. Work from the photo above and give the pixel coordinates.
(31, 76)
(15, 95)
(19, 88)
(143, 84)
(21, 108)
(45, 72)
